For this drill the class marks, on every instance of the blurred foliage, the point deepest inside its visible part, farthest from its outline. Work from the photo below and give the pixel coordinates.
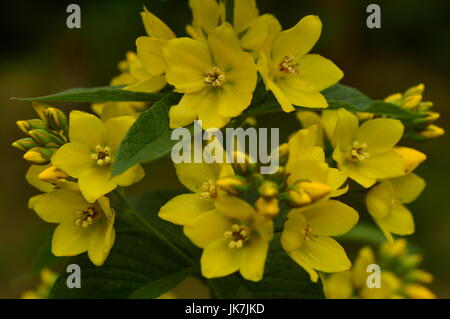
(40, 56)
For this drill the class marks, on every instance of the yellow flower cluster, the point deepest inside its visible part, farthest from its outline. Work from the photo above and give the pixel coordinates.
(72, 167)
(216, 68)
(233, 212)
(399, 278)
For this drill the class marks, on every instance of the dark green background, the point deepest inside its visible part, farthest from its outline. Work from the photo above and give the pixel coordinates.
(39, 55)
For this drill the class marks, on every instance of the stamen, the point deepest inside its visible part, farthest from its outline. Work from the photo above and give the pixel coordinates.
(215, 77)
(238, 236)
(85, 218)
(209, 189)
(102, 155)
(288, 65)
(357, 152)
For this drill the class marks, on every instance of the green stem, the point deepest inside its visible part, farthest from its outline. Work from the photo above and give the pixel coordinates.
(141, 222)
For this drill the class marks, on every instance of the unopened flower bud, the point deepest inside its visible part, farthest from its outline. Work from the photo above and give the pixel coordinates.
(41, 136)
(298, 197)
(268, 189)
(315, 189)
(417, 291)
(39, 155)
(40, 108)
(52, 175)
(267, 207)
(415, 90)
(233, 185)
(419, 275)
(411, 157)
(395, 98)
(24, 144)
(56, 119)
(412, 101)
(28, 125)
(432, 131)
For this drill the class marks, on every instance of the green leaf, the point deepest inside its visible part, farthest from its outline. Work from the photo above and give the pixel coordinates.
(391, 110)
(363, 233)
(148, 205)
(283, 278)
(139, 265)
(97, 94)
(342, 93)
(149, 137)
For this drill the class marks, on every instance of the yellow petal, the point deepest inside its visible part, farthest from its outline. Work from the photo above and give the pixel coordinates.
(380, 135)
(400, 221)
(70, 239)
(310, 118)
(55, 206)
(130, 176)
(290, 238)
(324, 254)
(86, 128)
(298, 40)
(234, 207)
(155, 27)
(187, 53)
(149, 84)
(208, 111)
(384, 165)
(96, 182)
(150, 52)
(408, 188)
(332, 218)
(207, 228)
(101, 241)
(353, 170)
(245, 11)
(32, 178)
(243, 76)
(380, 200)
(183, 209)
(116, 129)
(225, 47)
(319, 72)
(253, 259)
(231, 102)
(219, 260)
(73, 158)
(297, 95)
(186, 111)
(194, 175)
(206, 14)
(346, 129)
(335, 180)
(329, 120)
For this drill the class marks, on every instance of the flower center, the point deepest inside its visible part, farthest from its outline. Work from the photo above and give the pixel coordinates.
(215, 77)
(357, 152)
(102, 155)
(238, 236)
(85, 218)
(288, 65)
(307, 233)
(208, 189)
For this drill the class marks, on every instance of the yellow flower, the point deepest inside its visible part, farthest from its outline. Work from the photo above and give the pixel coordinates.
(411, 157)
(366, 153)
(82, 226)
(386, 200)
(255, 32)
(91, 152)
(200, 178)
(218, 78)
(234, 237)
(109, 110)
(309, 177)
(150, 66)
(306, 236)
(293, 75)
